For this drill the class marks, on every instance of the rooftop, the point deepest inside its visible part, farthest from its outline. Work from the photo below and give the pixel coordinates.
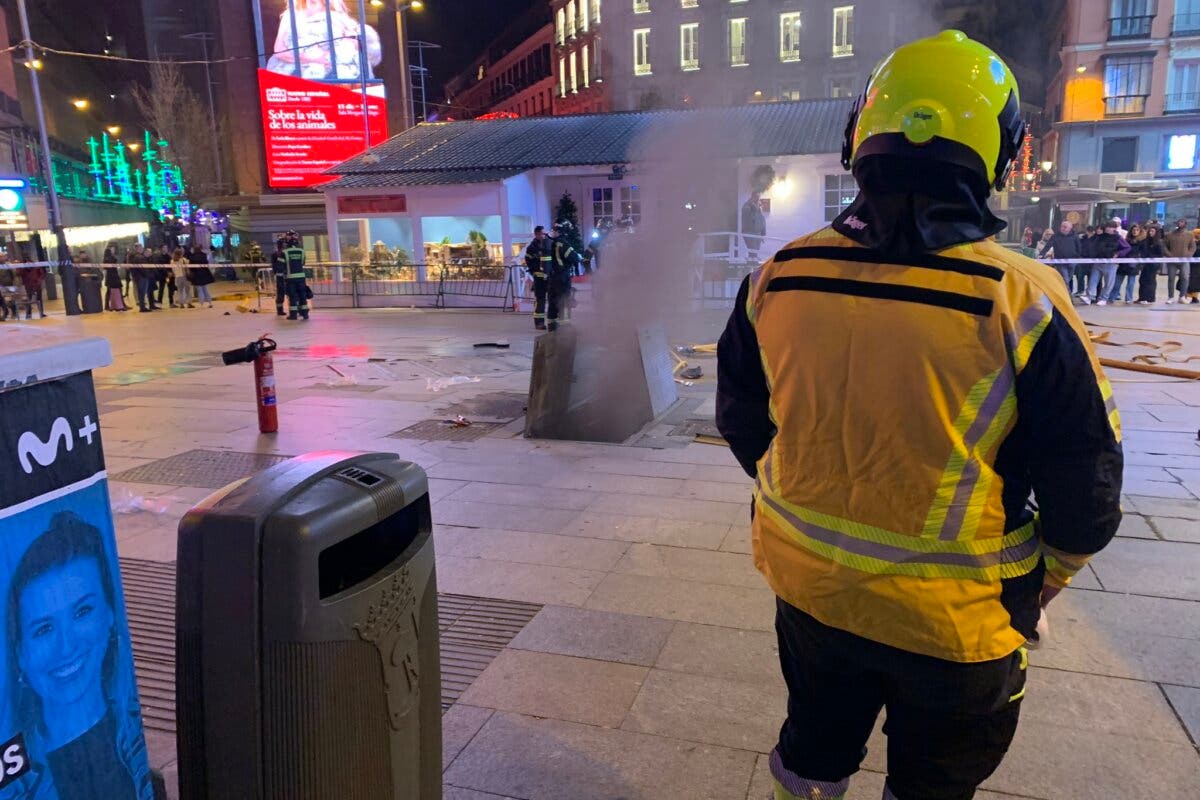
(755, 131)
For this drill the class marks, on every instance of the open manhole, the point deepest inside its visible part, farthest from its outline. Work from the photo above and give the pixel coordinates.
(203, 469)
(473, 631)
(490, 405)
(436, 430)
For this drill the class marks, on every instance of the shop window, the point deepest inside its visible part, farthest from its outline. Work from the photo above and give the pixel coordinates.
(602, 207)
(631, 203)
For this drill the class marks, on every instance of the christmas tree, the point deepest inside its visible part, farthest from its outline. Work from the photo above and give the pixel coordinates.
(567, 211)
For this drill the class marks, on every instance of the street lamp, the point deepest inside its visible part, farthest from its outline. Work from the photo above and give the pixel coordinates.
(1047, 166)
(134, 146)
(80, 103)
(115, 130)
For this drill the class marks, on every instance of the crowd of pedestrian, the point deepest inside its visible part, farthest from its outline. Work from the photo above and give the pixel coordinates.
(158, 277)
(19, 287)
(1104, 274)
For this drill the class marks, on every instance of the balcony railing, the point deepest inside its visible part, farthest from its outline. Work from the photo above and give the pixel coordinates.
(1183, 102)
(1130, 27)
(1125, 105)
(689, 64)
(641, 6)
(1185, 25)
(641, 69)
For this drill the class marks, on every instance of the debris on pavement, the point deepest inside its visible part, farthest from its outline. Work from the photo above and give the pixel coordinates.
(458, 422)
(502, 345)
(438, 384)
(125, 501)
(692, 373)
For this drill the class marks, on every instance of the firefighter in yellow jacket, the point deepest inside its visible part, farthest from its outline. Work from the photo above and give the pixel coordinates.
(900, 386)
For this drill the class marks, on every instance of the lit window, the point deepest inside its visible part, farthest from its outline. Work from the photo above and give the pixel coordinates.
(791, 91)
(585, 20)
(689, 3)
(737, 42)
(602, 207)
(840, 191)
(737, 1)
(1181, 151)
(562, 76)
(641, 51)
(843, 31)
(587, 67)
(596, 11)
(574, 73)
(571, 16)
(641, 6)
(560, 26)
(597, 61)
(689, 46)
(789, 36)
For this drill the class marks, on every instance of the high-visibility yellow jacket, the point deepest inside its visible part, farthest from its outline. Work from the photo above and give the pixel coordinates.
(897, 417)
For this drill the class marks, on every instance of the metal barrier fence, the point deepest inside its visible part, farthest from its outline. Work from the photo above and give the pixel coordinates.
(370, 286)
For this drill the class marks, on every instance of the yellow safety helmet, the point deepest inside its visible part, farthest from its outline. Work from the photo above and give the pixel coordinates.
(945, 98)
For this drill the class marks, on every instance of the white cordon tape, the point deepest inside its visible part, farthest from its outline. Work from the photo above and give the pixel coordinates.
(1118, 260)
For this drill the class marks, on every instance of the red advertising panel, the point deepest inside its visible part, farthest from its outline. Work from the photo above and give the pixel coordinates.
(373, 204)
(310, 126)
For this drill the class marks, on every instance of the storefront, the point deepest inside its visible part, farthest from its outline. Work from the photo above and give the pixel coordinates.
(441, 192)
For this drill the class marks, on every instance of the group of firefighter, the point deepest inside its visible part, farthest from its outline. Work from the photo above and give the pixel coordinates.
(287, 262)
(552, 261)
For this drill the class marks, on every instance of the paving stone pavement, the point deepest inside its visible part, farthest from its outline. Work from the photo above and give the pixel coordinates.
(651, 670)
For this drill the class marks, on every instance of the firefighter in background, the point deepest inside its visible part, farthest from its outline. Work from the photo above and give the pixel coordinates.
(563, 263)
(900, 386)
(279, 268)
(537, 262)
(297, 286)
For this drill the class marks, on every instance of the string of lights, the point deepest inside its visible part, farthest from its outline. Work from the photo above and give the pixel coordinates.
(44, 49)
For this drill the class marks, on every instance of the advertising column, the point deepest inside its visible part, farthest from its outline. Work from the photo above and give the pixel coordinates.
(317, 81)
(71, 724)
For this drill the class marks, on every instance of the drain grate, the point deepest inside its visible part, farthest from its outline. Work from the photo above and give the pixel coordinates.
(435, 430)
(203, 469)
(472, 631)
(697, 427)
(493, 405)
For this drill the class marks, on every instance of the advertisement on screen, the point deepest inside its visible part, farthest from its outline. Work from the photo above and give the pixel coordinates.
(71, 723)
(316, 58)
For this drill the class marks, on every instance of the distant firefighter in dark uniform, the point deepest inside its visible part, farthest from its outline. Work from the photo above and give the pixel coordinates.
(537, 261)
(563, 263)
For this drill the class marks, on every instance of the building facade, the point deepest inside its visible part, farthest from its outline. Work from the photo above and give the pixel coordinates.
(514, 75)
(1126, 105)
(679, 53)
(582, 58)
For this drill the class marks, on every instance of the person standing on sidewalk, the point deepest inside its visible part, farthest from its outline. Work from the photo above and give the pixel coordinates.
(183, 286)
(297, 288)
(201, 276)
(1180, 244)
(34, 280)
(900, 386)
(538, 256)
(112, 281)
(1065, 244)
(279, 270)
(1103, 273)
(1127, 273)
(1151, 247)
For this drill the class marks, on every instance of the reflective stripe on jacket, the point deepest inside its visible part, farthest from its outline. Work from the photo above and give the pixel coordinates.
(897, 417)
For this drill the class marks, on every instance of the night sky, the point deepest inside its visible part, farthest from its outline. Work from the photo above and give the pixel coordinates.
(463, 28)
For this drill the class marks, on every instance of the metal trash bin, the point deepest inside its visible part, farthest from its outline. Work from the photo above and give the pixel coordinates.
(91, 299)
(307, 635)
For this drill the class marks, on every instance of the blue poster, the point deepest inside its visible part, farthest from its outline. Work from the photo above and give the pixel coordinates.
(71, 726)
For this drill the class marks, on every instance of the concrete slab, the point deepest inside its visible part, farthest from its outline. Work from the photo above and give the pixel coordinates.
(671, 508)
(1186, 702)
(1135, 526)
(1161, 507)
(726, 653)
(653, 530)
(601, 635)
(531, 583)
(1104, 705)
(709, 710)
(1163, 569)
(563, 499)
(528, 548)
(459, 726)
(701, 566)
(558, 687)
(739, 540)
(1177, 530)
(457, 793)
(503, 517)
(548, 759)
(668, 598)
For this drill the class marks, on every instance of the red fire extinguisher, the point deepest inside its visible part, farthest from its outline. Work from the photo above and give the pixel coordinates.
(259, 353)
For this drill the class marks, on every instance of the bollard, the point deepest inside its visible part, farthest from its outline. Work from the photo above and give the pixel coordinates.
(259, 352)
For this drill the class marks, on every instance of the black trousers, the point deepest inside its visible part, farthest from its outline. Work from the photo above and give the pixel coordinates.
(280, 292)
(1148, 282)
(297, 293)
(539, 302)
(948, 724)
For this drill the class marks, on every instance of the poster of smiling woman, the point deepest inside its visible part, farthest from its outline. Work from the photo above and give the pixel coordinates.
(71, 725)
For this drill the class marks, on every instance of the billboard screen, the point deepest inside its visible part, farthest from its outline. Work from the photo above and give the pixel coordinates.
(316, 57)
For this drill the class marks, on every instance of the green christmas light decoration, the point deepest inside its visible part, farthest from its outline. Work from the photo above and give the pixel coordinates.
(155, 183)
